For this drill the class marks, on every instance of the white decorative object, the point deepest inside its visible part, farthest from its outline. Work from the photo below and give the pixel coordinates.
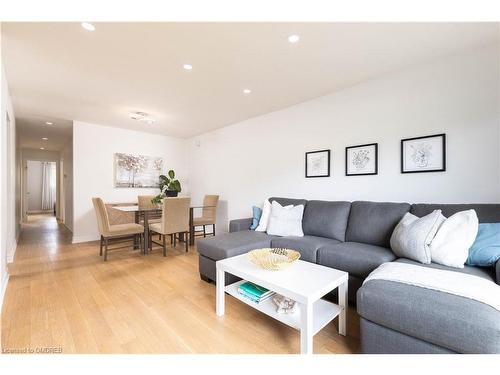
(453, 239)
(452, 282)
(305, 283)
(284, 305)
(137, 171)
(413, 235)
(423, 154)
(285, 221)
(361, 160)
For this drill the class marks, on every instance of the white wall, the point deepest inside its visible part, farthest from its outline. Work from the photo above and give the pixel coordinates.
(264, 156)
(94, 147)
(67, 195)
(7, 181)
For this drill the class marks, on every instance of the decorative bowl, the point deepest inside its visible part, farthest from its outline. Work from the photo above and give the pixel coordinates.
(273, 259)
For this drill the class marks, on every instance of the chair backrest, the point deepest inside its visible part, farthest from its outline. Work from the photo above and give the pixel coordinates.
(145, 203)
(210, 212)
(175, 216)
(102, 216)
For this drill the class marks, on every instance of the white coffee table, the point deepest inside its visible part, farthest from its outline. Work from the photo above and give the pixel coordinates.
(303, 282)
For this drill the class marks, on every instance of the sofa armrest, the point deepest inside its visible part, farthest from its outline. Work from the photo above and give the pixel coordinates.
(497, 268)
(240, 224)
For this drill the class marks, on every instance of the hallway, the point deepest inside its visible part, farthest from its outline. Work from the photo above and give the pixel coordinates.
(63, 297)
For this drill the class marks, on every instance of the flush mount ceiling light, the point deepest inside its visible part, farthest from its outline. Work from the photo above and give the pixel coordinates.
(42, 148)
(187, 67)
(247, 91)
(138, 115)
(45, 139)
(141, 116)
(88, 26)
(293, 38)
(49, 123)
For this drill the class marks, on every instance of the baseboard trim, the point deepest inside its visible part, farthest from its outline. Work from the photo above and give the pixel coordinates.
(87, 238)
(3, 289)
(40, 212)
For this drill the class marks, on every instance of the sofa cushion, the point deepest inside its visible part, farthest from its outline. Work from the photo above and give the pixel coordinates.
(453, 322)
(307, 246)
(355, 258)
(229, 245)
(373, 222)
(486, 213)
(326, 219)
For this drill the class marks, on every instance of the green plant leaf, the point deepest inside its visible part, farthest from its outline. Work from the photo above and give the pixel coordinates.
(171, 174)
(175, 185)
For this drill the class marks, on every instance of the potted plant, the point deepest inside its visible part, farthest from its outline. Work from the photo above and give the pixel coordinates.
(169, 187)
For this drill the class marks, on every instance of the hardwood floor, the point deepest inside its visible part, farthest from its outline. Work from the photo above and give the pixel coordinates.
(64, 296)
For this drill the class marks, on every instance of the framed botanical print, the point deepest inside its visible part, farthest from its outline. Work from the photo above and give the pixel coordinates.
(318, 163)
(361, 160)
(423, 154)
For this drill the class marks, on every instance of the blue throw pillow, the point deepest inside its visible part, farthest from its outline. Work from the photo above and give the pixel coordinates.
(257, 213)
(485, 251)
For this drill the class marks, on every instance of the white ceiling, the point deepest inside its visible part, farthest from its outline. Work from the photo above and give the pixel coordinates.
(61, 71)
(31, 130)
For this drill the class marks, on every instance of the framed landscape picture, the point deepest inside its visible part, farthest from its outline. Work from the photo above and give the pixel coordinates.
(137, 171)
(361, 160)
(318, 163)
(423, 154)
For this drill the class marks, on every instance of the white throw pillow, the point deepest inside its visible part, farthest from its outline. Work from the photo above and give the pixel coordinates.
(264, 218)
(413, 235)
(286, 221)
(453, 239)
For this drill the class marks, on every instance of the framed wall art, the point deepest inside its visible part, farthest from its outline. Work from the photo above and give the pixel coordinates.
(318, 163)
(137, 171)
(361, 160)
(423, 154)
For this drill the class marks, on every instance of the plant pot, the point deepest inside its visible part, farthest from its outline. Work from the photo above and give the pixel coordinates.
(171, 193)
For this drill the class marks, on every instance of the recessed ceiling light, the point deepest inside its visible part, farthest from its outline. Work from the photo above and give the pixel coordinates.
(293, 38)
(49, 123)
(42, 148)
(187, 66)
(88, 26)
(45, 139)
(247, 91)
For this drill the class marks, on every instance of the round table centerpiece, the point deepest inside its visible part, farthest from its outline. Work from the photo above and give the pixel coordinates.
(273, 259)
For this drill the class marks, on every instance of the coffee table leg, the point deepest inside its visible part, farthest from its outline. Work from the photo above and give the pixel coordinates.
(219, 293)
(306, 330)
(343, 306)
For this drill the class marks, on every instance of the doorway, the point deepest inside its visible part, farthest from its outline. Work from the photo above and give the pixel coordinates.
(41, 187)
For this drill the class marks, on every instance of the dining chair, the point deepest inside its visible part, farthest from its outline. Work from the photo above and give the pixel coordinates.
(208, 215)
(175, 220)
(145, 203)
(117, 233)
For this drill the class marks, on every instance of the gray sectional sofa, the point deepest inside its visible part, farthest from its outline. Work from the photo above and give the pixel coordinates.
(354, 237)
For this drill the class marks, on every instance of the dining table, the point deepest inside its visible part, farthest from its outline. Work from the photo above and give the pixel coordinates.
(146, 213)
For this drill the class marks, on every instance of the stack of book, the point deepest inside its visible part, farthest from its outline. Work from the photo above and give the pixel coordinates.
(254, 292)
